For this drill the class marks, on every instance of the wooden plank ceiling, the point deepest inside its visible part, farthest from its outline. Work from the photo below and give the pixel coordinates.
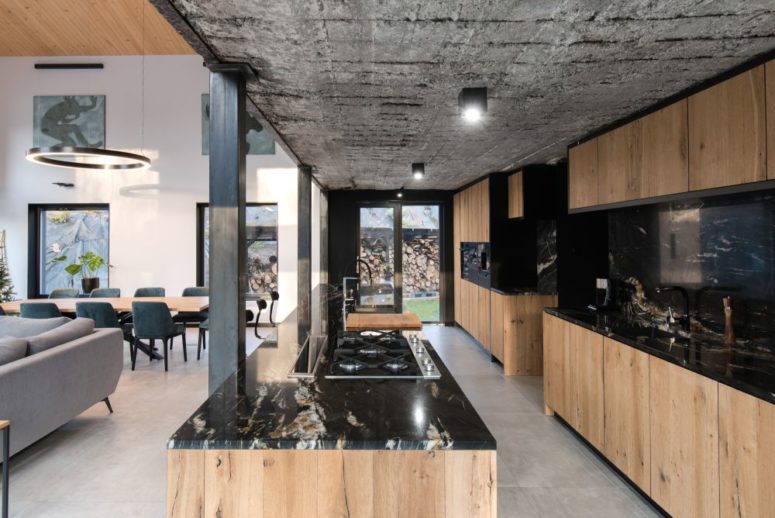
(85, 28)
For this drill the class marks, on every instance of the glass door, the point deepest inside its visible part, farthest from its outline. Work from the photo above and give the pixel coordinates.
(421, 260)
(379, 282)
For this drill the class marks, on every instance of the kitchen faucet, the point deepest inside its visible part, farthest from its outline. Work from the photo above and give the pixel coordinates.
(683, 320)
(358, 260)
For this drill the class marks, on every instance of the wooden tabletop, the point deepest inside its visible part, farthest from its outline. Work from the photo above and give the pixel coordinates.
(119, 304)
(4, 424)
(401, 321)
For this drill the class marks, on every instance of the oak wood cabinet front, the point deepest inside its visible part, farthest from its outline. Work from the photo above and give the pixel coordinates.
(582, 175)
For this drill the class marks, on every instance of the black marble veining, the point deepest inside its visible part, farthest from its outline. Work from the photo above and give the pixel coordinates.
(714, 247)
(748, 365)
(547, 257)
(259, 407)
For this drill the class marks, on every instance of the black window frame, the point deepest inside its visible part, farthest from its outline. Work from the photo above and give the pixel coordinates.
(34, 249)
(200, 223)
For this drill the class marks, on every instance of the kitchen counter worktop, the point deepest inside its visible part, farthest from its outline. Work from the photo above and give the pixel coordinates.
(260, 407)
(748, 365)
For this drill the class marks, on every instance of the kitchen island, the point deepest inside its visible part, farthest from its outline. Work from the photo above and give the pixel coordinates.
(266, 444)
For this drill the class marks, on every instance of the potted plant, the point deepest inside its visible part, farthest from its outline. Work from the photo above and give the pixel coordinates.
(89, 266)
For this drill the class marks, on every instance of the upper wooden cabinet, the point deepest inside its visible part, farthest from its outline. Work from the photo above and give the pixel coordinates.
(474, 213)
(770, 81)
(645, 158)
(746, 451)
(727, 132)
(582, 175)
(516, 195)
(684, 427)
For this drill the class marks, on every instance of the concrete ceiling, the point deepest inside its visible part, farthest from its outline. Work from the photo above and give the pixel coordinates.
(361, 88)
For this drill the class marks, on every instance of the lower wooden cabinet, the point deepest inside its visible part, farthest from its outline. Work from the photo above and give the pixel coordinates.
(684, 426)
(573, 377)
(475, 311)
(746, 454)
(516, 332)
(626, 400)
(587, 382)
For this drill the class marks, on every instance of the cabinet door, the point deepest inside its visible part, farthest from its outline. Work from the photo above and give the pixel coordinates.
(557, 367)
(684, 423)
(498, 318)
(483, 316)
(456, 256)
(582, 175)
(663, 161)
(626, 400)
(727, 132)
(747, 454)
(770, 101)
(587, 380)
(516, 196)
(617, 165)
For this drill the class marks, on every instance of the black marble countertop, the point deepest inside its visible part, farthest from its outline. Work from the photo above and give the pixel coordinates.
(260, 407)
(518, 291)
(748, 365)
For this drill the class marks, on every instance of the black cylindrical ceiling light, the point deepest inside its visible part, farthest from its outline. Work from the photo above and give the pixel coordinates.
(418, 170)
(472, 103)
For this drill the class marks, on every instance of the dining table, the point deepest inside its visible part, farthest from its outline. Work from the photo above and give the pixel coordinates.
(121, 305)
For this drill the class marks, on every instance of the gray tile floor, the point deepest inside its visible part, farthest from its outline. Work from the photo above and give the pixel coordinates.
(115, 466)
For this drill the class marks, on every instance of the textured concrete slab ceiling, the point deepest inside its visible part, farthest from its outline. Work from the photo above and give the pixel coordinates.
(362, 88)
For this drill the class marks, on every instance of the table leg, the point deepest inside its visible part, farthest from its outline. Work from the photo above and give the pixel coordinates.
(146, 348)
(6, 460)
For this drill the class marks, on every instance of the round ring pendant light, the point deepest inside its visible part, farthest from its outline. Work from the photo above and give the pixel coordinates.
(88, 158)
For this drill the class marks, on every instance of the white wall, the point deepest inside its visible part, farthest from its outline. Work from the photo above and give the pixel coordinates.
(152, 213)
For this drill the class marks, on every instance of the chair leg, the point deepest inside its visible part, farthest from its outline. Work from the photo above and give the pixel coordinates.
(165, 355)
(152, 346)
(204, 340)
(133, 349)
(185, 352)
(107, 402)
(255, 327)
(199, 344)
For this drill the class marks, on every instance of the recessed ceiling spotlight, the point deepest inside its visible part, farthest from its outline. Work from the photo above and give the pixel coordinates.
(400, 193)
(472, 103)
(418, 170)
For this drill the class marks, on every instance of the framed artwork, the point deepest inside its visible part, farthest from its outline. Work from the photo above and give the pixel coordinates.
(257, 141)
(68, 120)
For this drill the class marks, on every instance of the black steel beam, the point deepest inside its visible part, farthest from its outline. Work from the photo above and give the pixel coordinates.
(228, 250)
(304, 246)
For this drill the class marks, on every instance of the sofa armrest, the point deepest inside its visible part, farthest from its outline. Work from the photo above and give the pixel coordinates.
(44, 391)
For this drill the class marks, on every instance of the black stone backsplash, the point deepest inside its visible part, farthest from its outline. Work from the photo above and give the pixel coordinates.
(547, 256)
(714, 247)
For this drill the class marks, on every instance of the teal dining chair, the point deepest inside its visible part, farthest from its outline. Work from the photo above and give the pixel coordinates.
(152, 321)
(63, 293)
(39, 310)
(105, 293)
(150, 292)
(104, 316)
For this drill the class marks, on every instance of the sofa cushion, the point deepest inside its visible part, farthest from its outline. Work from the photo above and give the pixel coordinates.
(65, 333)
(18, 327)
(12, 349)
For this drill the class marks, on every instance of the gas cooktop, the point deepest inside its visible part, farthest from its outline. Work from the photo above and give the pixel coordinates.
(380, 355)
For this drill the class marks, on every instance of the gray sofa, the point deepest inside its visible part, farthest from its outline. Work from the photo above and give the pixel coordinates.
(68, 367)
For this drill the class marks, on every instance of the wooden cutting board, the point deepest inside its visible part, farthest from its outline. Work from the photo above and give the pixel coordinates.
(400, 321)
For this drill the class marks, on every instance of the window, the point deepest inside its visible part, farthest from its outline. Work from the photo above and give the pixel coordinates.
(262, 245)
(58, 236)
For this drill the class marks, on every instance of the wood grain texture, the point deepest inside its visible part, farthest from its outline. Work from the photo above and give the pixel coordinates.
(582, 175)
(626, 400)
(587, 382)
(769, 79)
(194, 304)
(81, 28)
(482, 308)
(4, 424)
(475, 213)
(746, 455)
(684, 423)
(363, 321)
(409, 484)
(727, 139)
(498, 318)
(645, 158)
(471, 484)
(284, 470)
(516, 196)
(557, 367)
(523, 340)
(345, 483)
(234, 483)
(456, 217)
(185, 483)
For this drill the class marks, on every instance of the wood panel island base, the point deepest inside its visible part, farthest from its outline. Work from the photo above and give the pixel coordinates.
(331, 483)
(268, 445)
